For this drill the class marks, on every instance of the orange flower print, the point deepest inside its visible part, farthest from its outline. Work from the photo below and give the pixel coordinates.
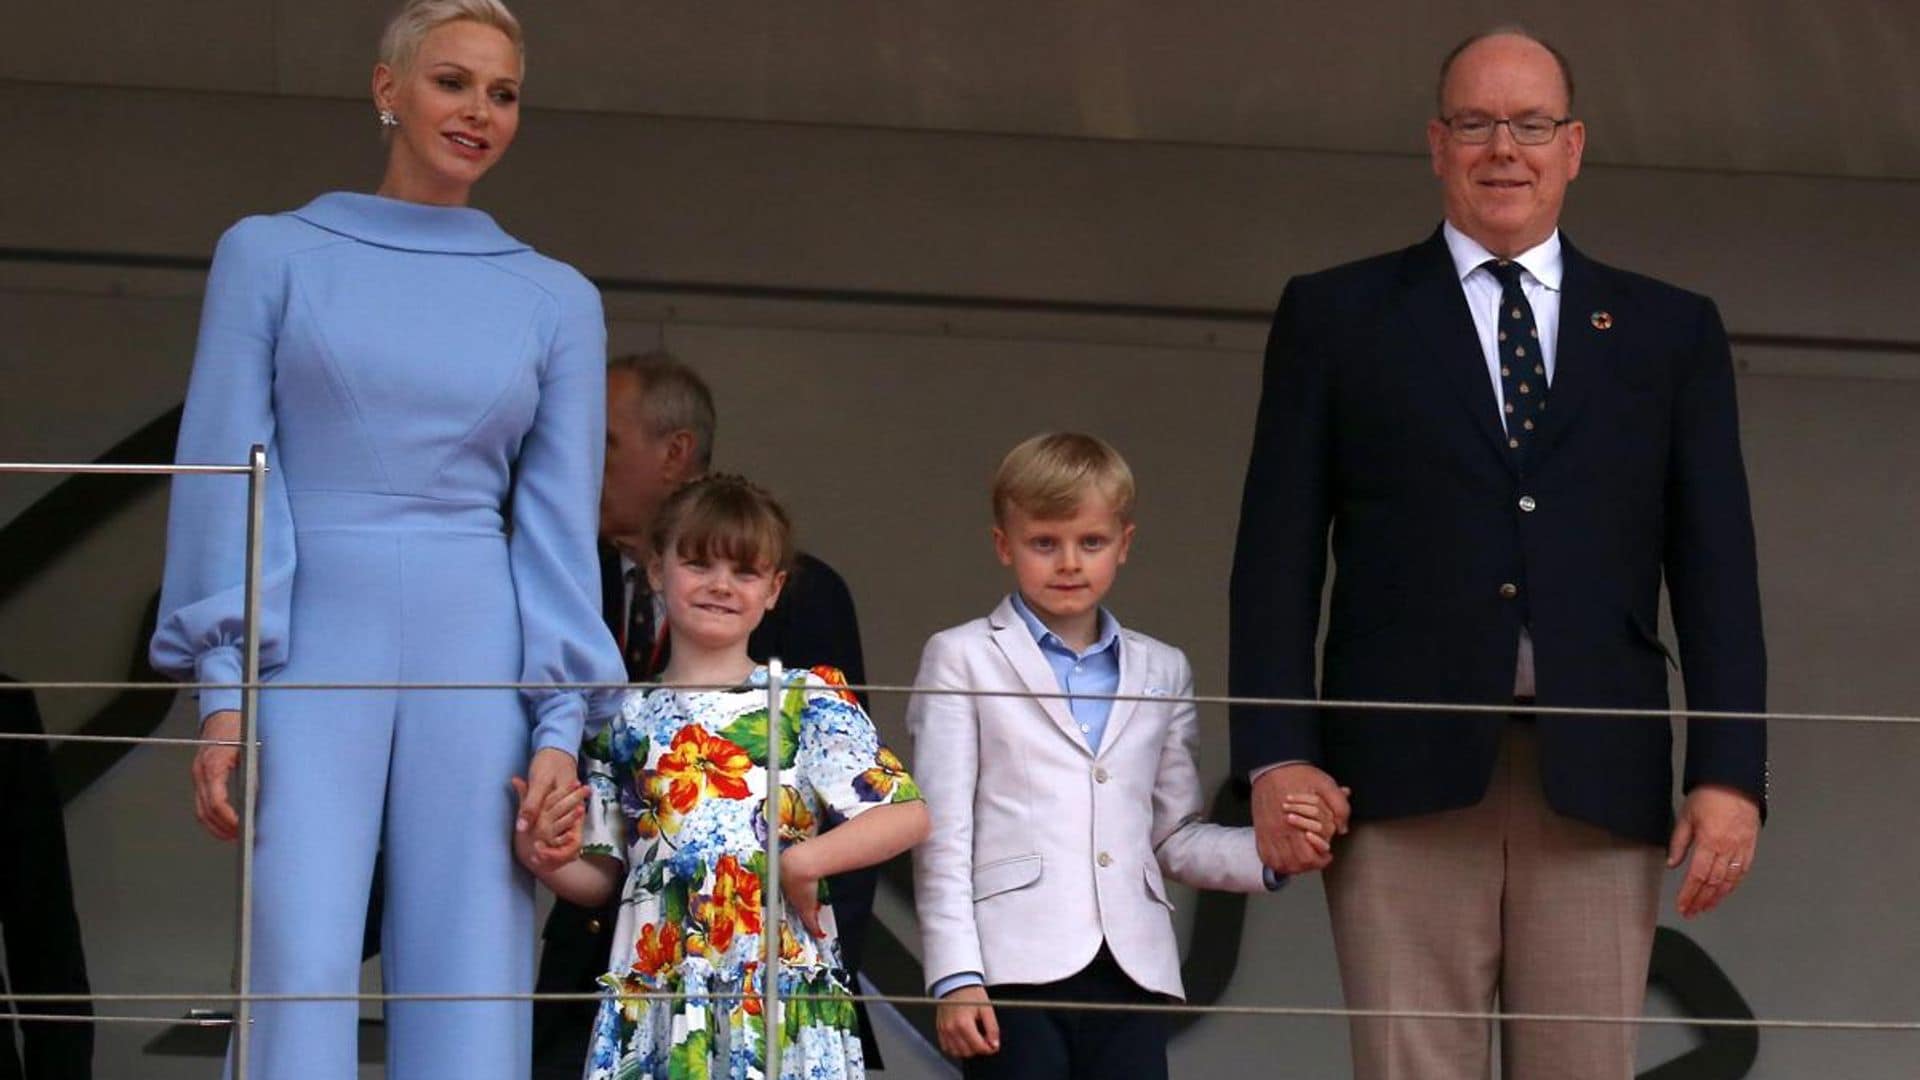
(628, 989)
(699, 762)
(751, 999)
(796, 821)
(790, 949)
(653, 954)
(734, 906)
(837, 681)
(887, 781)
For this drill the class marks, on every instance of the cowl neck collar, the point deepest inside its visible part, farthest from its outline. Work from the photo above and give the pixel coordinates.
(409, 226)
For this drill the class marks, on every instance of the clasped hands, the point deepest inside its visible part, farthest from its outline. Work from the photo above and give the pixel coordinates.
(1720, 824)
(548, 832)
(1295, 821)
(1297, 811)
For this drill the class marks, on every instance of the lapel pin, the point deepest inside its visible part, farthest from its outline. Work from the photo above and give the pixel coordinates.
(1601, 320)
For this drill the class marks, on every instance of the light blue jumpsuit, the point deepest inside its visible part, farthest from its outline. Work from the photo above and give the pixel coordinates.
(431, 393)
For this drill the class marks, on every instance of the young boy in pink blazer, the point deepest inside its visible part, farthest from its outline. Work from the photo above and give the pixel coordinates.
(1057, 816)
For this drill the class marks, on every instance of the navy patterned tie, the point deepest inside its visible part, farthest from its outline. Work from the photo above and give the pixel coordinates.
(1523, 370)
(640, 644)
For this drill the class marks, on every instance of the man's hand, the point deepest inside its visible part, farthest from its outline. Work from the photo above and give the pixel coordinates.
(552, 772)
(1722, 825)
(212, 765)
(1289, 845)
(966, 1024)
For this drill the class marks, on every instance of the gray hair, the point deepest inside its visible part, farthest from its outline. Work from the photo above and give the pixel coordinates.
(1510, 30)
(673, 397)
(418, 18)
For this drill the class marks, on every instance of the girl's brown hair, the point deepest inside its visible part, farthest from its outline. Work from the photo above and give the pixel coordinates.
(724, 516)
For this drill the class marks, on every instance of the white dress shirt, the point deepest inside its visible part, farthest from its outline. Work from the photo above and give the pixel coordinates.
(1542, 268)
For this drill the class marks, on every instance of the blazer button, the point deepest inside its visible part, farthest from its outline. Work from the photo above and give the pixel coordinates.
(1508, 590)
(1527, 504)
(593, 926)
(1099, 776)
(1104, 859)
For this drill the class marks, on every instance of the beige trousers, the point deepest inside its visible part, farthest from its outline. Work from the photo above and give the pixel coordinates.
(1505, 902)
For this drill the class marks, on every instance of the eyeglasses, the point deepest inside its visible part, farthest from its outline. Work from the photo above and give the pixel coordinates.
(1474, 129)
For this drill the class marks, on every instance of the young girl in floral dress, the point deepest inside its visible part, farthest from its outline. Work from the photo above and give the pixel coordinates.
(674, 818)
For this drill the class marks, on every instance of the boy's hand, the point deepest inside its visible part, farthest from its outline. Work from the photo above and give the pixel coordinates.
(966, 1023)
(554, 839)
(801, 887)
(1310, 814)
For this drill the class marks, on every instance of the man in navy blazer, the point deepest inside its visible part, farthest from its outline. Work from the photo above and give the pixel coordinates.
(1512, 445)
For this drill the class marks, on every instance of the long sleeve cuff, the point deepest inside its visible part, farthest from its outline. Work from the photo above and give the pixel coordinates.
(1254, 775)
(562, 723)
(956, 981)
(219, 665)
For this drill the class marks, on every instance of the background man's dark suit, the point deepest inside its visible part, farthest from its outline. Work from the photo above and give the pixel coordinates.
(1377, 418)
(813, 624)
(44, 954)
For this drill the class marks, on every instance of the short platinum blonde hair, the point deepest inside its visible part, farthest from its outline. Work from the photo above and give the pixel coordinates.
(1049, 476)
(418, 18)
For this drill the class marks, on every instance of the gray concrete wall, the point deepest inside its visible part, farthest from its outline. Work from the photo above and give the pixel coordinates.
(1064, 159)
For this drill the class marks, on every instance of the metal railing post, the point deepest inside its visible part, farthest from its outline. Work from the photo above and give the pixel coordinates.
(250, 756)
(770, 923)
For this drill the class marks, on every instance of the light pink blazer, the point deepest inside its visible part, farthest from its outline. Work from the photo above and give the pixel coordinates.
(1042, 848)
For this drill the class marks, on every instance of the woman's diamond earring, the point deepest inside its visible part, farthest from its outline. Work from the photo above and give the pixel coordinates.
(388, 120)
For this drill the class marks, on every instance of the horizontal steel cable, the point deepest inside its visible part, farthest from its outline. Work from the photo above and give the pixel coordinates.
(123, 470)
(125, 740)
(1299, 1011)
(1500, 709)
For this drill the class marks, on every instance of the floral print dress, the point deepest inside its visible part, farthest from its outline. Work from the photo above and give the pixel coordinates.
(678, 782)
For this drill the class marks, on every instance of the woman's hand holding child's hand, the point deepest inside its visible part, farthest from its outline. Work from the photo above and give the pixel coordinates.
(554, 841)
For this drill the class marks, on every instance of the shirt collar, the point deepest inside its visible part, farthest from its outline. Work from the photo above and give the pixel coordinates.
(1544, 260)
(1108, 636)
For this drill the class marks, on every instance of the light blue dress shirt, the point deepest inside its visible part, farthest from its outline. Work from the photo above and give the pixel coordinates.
(1095, 671)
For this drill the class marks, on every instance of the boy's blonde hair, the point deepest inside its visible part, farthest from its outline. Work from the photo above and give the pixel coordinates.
(1049, 476)
(418, 18)
(723, 516)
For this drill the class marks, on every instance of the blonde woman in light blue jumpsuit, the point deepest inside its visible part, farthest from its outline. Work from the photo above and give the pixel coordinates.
(430, 392)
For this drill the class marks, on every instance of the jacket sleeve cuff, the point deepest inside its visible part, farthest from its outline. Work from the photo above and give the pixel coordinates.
(219, 665)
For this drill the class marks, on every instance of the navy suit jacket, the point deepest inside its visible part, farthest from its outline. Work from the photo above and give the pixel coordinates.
(1378, 423)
